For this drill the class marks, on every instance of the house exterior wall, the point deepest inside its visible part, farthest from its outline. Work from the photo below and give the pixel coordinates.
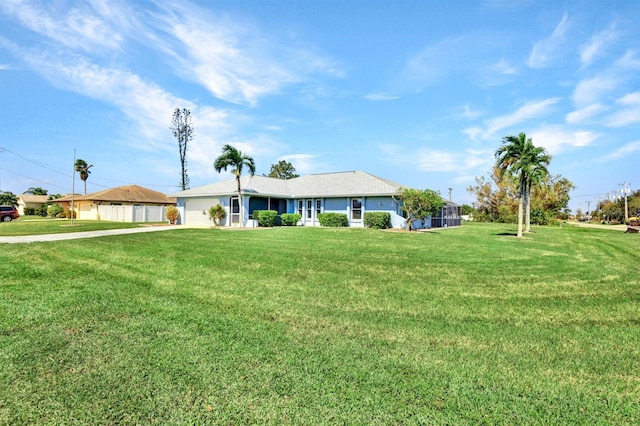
(344, 205)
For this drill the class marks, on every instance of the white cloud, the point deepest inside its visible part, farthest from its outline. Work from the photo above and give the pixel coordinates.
(630, 60)
(234, 60)
(86, 26)
(624, 151)
(380, 97)
(304, 163)
(581, 115)
(556, 139)
(504, 67)
(531, 109)
(629, 112)
(473, 132)
(590, 91)
(470, 113)
(434, 160)
(546, 50)
(597, 44)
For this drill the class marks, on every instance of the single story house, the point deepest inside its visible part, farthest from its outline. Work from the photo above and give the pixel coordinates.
(26, 201)
(353, 193)
(129, 203)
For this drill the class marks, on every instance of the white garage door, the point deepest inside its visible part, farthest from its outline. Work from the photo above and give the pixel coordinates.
(194, 208)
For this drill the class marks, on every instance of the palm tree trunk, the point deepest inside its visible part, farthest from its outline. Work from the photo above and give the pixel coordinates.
(527, 203)
(240, 206)
(520, 203)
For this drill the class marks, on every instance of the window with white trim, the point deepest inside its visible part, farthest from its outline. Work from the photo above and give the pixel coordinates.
(356, 209)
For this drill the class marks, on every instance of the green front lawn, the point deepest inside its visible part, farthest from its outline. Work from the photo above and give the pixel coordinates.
(34, 225)
(323, 326)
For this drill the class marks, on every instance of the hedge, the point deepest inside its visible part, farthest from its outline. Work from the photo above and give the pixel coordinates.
(290, 219)
(333, 220)
(266, 218)
(377, 220)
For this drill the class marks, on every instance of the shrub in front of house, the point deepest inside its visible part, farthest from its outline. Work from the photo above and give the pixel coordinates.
(266, 218)
(172, 214)
(377, 220)
(55, 211)
(333, 220)
(217, 214)
(29, 211)
(290, 219)
(42, 210)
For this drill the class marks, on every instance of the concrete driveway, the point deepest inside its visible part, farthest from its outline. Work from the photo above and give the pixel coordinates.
(83, 234)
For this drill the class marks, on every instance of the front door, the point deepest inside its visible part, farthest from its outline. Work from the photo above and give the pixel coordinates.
(235, 211)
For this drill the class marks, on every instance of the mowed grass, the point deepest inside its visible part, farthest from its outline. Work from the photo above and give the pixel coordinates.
(323, 326)
(33, 225)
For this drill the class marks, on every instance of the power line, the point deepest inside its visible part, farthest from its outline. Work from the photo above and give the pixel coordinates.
(67, 175)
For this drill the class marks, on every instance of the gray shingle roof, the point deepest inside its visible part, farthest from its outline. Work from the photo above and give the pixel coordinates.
(341, 184)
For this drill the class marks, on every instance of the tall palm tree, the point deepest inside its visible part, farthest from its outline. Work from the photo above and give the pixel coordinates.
(536, 173)
(236, 160)
(513, 156)
(82, 167)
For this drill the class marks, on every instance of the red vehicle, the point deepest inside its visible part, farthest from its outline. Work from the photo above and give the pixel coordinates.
(8, 213)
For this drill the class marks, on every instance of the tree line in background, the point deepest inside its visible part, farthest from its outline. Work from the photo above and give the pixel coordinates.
(520, 188)
(614, 210)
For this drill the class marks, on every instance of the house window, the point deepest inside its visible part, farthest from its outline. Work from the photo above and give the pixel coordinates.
(300, 207)
(356, 209)
(309, 204)
(318, 207)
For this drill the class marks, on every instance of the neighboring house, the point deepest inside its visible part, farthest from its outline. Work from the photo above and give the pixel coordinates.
(31, 201)
(129, 203)
(352, 193)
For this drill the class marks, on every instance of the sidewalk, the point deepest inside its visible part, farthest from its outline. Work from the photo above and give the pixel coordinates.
(85, 234)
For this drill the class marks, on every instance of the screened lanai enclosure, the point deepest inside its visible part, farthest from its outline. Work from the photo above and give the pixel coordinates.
(448, 215)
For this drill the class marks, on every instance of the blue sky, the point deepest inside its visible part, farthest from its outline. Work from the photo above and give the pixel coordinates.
(419, 92)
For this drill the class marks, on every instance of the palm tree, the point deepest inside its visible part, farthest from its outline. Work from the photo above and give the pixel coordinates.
(82, 167)
(536, 173)
(513, 156)
(236, 160)
(36, 191)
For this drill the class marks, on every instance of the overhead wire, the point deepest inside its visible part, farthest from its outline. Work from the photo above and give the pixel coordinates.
(66, 174)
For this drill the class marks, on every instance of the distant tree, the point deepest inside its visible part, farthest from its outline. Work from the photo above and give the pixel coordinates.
(496, 197)
(236, 160)
(8, 199)
(466, 209)
(183, 132)
(82, 168)
(54, 196)
(36, 191)
(418, 204)
(283, 170)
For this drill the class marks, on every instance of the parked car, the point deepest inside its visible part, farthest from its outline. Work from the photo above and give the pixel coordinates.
(8, 213)
(634, 221)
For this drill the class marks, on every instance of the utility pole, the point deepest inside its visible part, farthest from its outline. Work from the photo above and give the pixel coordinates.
(450, 189)
(625, 191)
(73, 185)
